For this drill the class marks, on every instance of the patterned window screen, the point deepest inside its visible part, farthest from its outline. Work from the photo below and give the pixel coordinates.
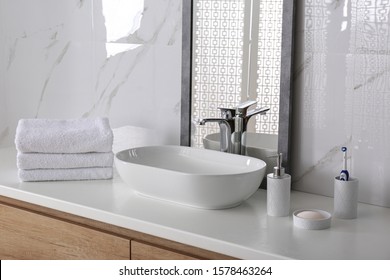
(268, 64)
(220, 44)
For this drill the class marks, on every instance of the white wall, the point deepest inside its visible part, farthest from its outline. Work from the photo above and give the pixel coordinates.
(342, 96)
(57, 61)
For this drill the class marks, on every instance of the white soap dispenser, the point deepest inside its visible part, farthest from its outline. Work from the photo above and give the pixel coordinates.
(278, 191)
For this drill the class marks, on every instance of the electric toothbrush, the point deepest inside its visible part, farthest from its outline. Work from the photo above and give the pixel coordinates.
(344, 174)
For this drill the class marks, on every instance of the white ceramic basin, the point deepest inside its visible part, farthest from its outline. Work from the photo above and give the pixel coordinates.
(190, 176)
(261, 146)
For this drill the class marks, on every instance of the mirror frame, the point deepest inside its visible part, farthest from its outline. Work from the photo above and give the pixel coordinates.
(286, 81)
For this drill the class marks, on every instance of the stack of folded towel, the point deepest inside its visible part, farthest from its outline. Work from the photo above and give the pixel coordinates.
(56, 150)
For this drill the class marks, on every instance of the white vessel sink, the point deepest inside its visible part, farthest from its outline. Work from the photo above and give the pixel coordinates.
(190, 176)
(258, 145)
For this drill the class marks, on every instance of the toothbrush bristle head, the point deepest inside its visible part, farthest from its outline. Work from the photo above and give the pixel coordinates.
(344, 149)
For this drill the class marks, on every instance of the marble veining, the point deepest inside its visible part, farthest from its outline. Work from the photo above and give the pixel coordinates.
(299, 69)
(331, 156)
(137, 58)
(112, 86)
(3, 134)
(57, 62)
(373, 78)
(128, 61)
(65, 60)
(342, 81)
(81, 3)
(11, 55)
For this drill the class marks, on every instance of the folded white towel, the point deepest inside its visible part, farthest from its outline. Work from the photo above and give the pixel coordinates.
(46, 161)
(64, 136)
(95, 173)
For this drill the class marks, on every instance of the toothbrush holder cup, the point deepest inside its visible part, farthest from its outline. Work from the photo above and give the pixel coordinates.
(345, 198)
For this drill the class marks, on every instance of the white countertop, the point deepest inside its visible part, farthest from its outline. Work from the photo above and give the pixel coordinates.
(243, 232)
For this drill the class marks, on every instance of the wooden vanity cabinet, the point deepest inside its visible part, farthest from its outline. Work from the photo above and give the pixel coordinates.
(27, 235)
(29, 231)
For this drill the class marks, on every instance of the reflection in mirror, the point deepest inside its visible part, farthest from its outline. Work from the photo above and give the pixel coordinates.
(236, 57)
(234, 54)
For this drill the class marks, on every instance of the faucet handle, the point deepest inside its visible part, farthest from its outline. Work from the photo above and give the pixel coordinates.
(261, 111)
(242, 108)
(227, 113)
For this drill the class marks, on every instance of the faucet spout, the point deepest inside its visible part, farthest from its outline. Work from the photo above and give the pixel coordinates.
(207, 120)
(251, 113)
(225, 133)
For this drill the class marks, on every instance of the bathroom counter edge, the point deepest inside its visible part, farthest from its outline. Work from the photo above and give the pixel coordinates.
(244, 232)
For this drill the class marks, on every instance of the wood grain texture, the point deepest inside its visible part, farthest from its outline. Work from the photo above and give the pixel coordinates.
(107, 228)
(142, 251)
(26, 235)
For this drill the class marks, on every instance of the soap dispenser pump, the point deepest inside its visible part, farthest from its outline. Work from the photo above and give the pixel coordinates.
(278, 191)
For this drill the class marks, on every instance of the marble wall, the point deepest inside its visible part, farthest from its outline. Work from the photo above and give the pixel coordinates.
(342, 96)
(84, 58)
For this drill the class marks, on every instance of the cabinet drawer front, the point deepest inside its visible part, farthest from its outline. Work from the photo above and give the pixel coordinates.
(26, 235)
(142, 251)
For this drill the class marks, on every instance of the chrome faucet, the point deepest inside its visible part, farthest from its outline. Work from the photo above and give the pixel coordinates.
(233, 126)
(241, 120)
(226, 126)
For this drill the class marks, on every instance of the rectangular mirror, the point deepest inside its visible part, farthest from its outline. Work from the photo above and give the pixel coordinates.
(235, 51)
